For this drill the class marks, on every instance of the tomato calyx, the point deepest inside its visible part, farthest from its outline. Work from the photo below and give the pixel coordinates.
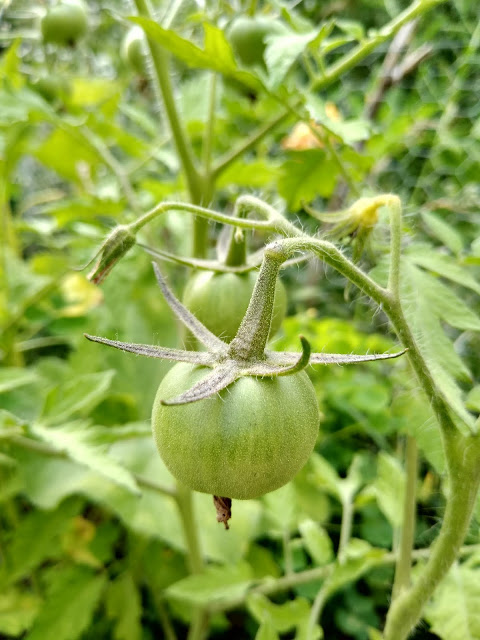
(245, 355)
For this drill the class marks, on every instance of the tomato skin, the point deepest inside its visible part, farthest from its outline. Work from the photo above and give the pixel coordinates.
(247, 37)
(65, 23)
(219, 301)
(249, 439)
(132, 49)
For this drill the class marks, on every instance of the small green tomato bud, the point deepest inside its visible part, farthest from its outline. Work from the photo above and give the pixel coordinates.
(114, 248)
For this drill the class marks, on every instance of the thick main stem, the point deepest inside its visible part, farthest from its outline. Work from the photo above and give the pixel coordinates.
(198, 186)
(406, 610)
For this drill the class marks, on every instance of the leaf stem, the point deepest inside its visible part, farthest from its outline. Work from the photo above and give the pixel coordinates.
(407, 533)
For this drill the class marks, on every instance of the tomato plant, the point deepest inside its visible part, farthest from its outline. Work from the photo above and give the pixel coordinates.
(108, 532)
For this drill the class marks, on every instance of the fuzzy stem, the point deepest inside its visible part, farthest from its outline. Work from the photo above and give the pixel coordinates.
(395, 210)
(407, 534)
(237, 250)
(252, 335)
(464, 478)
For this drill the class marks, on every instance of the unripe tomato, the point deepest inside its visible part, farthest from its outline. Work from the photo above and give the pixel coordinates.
(247, 37)
(219, 301)
(65, 23)
(249, 439)
(132, 49)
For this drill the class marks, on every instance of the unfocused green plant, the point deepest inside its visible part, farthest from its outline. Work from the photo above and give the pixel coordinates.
(96, 538)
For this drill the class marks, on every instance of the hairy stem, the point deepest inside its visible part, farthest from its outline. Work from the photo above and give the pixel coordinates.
(404, 560)
(274, 224)
(395, 210)
(464, 479)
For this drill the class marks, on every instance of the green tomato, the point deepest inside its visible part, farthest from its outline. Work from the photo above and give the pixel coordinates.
(65, 23)
(251, 438)
(219, 301)
(132, 49)
(247, 37)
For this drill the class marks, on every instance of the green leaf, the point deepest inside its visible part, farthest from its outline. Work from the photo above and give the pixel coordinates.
(360, 558)
(281, 52)
(217, 54)
(473, 399)
(255, 174)
(72, 598)
(453, 609)
(389, 488)
(76, 396)
(445, 303)
(444, 266)
(18, 610)
(215, 584)
(316, 541)
(283, 617)
(123, 604)
(266, 631)
(443, 232)
(325, 476)
(80, 442)
(306, 175)
(35, 539)
(13, 377)
(64, 151)
(351, 28)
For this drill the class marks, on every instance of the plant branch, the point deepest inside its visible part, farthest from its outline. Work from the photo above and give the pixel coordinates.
(395, 210)
(274, 224)
(350, 59)
(229, 158)
(270, 586)
(407, 534)
(164, 88)
(464, 477)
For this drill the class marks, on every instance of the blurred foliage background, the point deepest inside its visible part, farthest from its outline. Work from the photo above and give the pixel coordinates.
(92, 544)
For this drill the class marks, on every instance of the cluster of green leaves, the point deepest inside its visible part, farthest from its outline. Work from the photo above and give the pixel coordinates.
(92, 543)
